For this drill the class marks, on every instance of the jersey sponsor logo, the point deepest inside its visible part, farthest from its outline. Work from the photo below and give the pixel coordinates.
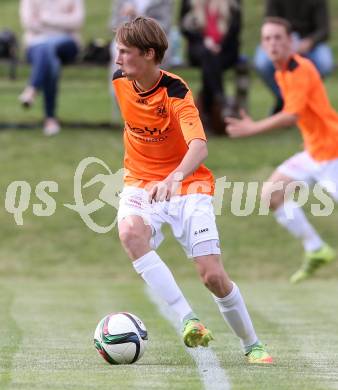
(142, 101)
(150, 140)
(148, 131)
(161, 111)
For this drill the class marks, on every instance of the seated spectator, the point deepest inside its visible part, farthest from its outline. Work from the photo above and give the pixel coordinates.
(310, 25)
(212, 29)
(51, 38)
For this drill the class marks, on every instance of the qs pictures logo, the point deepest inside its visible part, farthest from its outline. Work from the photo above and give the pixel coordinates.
(112, 184)
(241, 197)
(18, 195)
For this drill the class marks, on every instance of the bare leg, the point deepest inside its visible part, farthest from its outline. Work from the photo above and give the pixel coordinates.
(228, 298)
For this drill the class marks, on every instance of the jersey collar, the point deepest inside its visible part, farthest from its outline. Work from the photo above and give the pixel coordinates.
(151, 90)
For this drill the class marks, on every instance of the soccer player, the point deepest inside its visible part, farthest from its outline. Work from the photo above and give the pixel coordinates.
(307, 105)
(166, 183)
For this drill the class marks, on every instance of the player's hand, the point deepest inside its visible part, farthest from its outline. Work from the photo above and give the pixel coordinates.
(239, 127)
(165, 189)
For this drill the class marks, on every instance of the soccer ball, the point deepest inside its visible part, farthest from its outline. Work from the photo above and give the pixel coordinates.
(120, 338)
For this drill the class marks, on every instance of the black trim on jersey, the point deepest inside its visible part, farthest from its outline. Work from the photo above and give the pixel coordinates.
(136, 88)
(175, 87)
(147, 93)
(117, 74)
(292, 65)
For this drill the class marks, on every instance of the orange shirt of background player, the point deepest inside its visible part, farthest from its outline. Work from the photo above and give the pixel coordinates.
(304, 94)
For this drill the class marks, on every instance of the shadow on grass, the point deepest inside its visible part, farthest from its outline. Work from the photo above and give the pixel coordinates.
(69, 124)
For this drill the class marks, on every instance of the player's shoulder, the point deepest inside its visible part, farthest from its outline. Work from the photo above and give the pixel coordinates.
(118, 75)
(176, 87)
(299, 65)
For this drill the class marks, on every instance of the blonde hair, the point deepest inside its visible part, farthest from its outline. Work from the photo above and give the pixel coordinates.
(144, 33)
(224, 8)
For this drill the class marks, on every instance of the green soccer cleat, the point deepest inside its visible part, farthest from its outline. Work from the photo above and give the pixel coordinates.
(312, 261)
(258, 355)
(195, 334)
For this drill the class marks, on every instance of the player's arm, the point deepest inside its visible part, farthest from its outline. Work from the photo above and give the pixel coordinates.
(194, 157)
(246, 126)
(187, 116)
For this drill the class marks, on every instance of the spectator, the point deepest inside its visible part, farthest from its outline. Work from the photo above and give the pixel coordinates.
(212, 29)
(51, 37)
(310, 25)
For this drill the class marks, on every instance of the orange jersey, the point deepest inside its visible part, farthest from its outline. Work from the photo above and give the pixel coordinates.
(159, 124)
(304, 94)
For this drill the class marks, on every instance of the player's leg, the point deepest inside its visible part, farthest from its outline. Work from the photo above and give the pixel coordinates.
(137, 237)
(291, 216)
(229, 301)
(195, 229)
(287, 212)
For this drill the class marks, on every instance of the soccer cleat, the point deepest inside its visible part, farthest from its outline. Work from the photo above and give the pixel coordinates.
(195, 334)
(258, 355)
(313, 260)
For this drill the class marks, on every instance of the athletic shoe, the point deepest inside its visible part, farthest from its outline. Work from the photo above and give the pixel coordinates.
(195, 334)
(313, 260)
(258, 355)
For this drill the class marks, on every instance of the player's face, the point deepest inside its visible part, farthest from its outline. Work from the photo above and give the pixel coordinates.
(131, 61)
(276, 42)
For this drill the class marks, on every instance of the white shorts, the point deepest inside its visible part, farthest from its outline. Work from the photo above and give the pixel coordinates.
(302, 167)
(191, 217)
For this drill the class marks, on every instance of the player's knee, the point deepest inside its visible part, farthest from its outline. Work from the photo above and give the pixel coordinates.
(270, 197)
(131, 235)
(213, 280)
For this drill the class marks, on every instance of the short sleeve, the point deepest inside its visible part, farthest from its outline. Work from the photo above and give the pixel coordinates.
(188, 118)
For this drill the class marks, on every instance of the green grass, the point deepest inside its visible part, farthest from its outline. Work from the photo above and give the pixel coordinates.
(58, 278)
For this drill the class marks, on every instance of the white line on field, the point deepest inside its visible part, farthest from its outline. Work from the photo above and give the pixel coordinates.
(212, 374)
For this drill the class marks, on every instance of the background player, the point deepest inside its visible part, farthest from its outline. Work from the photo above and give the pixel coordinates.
(166, 183)
(305, 104)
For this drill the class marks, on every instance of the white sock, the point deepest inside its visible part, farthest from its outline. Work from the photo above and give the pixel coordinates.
(292, 217)
(160, 279)
(236, 315)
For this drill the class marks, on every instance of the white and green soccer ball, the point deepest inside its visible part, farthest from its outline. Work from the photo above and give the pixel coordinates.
(120, 338)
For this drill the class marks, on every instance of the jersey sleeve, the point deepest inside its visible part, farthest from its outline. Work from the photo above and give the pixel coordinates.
(188, 118)
(297, 92)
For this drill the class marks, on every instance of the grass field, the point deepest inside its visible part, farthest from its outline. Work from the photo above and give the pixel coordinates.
(58, 278)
